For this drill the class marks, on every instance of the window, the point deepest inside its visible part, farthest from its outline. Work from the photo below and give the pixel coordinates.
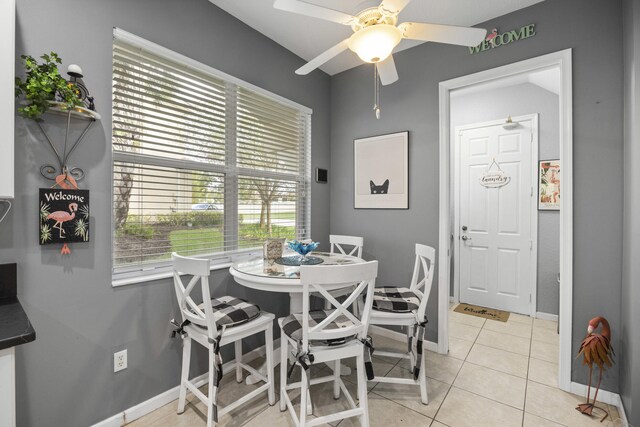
(203, 164)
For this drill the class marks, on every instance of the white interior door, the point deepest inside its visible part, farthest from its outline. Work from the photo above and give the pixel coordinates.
(496, 240)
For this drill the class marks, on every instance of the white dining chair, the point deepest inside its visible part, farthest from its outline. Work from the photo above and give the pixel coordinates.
(329, 336)
(345, 245)
(353, 245)
(215, 323)
(401, 306)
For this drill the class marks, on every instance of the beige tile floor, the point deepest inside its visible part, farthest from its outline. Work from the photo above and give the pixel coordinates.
(496, 374)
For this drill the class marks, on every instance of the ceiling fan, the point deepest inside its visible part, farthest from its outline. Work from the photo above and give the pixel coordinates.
(376, 34)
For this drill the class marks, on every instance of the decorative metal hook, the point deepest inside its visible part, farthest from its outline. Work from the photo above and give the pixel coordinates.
(49, 171)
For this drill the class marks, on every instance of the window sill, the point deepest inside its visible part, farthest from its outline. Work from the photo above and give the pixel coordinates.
(165, 273)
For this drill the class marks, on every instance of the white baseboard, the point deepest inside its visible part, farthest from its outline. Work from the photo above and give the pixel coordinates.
(604, 396)
(148, 406)
(115, 421)
(399, 336)
(546, 316)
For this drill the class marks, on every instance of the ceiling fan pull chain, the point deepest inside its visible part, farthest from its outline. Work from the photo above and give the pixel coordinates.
(376, 92)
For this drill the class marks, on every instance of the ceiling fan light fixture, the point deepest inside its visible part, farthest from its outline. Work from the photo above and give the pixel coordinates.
(375, 43)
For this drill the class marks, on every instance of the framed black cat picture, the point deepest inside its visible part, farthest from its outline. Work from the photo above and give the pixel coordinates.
(381, 171)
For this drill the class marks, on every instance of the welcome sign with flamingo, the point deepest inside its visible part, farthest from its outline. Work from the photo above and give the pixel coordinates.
(64, 216)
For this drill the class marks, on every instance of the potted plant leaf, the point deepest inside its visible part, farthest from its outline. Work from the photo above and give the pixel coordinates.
(43, 86)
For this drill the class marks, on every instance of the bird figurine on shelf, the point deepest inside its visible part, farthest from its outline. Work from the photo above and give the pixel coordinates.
(596, 348)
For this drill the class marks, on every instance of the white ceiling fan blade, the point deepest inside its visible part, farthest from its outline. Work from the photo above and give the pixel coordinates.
(308, 9)
(393, 7)
(387, 71)
(464, 36)
(323, 57)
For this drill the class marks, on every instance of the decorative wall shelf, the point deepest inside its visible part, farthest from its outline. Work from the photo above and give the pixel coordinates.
(59, 109)
(77, 113)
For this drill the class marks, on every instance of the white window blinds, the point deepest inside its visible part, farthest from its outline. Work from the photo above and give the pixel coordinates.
(204, 164)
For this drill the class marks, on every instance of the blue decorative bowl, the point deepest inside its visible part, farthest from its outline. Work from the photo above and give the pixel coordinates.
(303, 248)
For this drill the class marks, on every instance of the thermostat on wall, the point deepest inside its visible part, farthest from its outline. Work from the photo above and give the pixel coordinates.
(321, 175)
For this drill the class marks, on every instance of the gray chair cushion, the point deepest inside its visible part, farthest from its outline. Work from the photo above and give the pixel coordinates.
(292, 325)
(395, 300)
(232, 311)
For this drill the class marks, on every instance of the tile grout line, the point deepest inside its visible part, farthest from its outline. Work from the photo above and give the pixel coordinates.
(456, 377)
(526, 388)
(529, 357)
(496, 370)
(513, 352)
(396, 364)
(526, 383)
(526, 378)
(489, 398)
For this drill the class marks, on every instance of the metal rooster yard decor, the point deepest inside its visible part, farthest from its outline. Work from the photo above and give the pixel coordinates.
(596, 348)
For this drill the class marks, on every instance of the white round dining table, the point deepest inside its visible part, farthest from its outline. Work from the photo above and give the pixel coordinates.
(269, 276)
(258, 273)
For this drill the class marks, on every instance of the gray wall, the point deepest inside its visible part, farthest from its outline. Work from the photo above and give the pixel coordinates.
(65, 377)
(593, 29)
(520, 100)
(629, 348)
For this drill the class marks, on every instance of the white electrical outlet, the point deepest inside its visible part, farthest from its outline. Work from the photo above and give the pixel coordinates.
(120, 360)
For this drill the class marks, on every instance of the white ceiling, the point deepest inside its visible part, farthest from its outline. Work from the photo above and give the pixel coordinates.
(548, 79)
(308, 37)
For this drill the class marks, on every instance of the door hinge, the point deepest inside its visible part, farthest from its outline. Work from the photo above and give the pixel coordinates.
(531, 192)
(530, 244)
(530, 298)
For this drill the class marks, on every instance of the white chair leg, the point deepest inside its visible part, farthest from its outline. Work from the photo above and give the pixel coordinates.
(327, 305)
(412, 360)
(309, 402)
(186, 361)
(284, 358)
(423, 380)
(362, 391)
(304, 396)
(238, 351)
(268, 337)
(212, 395)
(336, 378)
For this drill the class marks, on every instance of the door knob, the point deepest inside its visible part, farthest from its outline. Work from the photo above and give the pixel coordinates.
(466, 238)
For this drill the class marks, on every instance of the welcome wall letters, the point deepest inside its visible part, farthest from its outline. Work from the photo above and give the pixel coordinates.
(495, 39)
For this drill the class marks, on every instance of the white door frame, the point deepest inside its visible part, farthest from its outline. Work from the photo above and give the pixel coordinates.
(533, 211)
(562, 61)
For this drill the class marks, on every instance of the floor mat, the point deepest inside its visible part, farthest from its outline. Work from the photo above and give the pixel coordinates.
(487, 313)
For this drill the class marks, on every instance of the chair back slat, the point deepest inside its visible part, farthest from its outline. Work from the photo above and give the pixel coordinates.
(338, 242)
(340, 308)
(318, 279)
(425, 264)
(199, 269)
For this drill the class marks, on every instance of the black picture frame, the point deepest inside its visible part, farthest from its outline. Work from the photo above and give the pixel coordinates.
(63, 216)
(322, 175)
(381, 175)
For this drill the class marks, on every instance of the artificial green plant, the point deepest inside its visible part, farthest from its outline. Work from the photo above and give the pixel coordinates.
(42, 85)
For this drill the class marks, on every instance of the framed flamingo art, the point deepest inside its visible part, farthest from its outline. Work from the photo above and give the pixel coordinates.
(549, 185)
(64, 216)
